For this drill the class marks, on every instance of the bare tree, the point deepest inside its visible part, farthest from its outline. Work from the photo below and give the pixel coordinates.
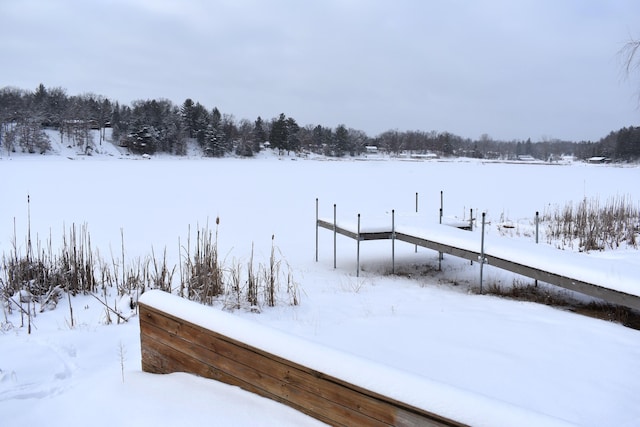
(630, 58)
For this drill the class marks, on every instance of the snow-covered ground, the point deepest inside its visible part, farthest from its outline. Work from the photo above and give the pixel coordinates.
(423, 322)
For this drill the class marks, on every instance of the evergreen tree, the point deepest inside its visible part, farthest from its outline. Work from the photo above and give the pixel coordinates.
(214, 145)
(216, 118)
(39, 106)
(321, 138)
(202, 120)
(259, 134)
(115, 122)
(293, 140)
(187, 113)
(627, 144)
(143, 140)
(341, 141)
(279, 133)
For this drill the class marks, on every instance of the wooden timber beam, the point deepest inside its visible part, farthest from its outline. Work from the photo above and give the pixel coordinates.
(170, 344)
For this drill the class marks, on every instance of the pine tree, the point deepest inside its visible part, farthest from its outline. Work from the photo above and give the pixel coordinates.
(340, 141)
(188, 117)
(259, 134)
(279, 134)
(293, 141)
(213, 146)
(202, 120)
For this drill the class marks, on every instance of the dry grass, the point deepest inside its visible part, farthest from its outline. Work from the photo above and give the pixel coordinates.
(521, 291)
(594, 226)
(42, 277)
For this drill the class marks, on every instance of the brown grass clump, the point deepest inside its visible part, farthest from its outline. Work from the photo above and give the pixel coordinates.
(594, 226)
(520, 291)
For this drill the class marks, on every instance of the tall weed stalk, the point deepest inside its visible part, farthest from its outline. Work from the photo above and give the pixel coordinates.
(594, 226)
(42, 275)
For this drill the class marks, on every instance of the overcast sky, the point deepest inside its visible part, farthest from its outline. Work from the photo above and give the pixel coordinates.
(512, 69)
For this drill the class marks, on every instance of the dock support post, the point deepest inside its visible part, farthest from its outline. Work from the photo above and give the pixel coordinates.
(393, 241)
(316, 229)
(482, 260)
(537, 223)
(471, 224)
(440, 254)
(416, 247)
(335, 235)
(358, 250)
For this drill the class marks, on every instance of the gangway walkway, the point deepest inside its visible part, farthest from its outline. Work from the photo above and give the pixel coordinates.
(614, 281)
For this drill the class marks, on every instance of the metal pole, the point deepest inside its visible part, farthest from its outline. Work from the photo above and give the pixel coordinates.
(316, 229)
(335, 235)
(482, 260)
(393, 241)
(537, 222)
(440, 254)
(358, 250)
(471, 224)
(416, 247)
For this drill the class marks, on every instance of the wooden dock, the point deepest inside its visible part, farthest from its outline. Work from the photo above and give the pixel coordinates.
(592, 280)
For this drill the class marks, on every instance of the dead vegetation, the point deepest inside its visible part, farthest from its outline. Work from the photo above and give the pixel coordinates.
(522, 291)
(591, 225)
(38, 278)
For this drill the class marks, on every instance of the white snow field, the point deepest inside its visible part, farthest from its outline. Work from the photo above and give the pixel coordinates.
(425, 323)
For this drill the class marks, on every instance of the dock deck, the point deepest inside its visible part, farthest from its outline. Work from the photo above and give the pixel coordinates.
(614, 281)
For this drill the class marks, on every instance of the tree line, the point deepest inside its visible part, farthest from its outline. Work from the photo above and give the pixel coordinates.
(159, 125)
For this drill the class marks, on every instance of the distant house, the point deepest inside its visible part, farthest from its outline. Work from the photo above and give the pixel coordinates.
(427, 156)
(598, 159)
(526, 158)
(77, 123)
(371, 149)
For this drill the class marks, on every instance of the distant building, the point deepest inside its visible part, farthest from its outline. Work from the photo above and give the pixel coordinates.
(598, 159)
(526, 158)
(428, 156)
(371, 149)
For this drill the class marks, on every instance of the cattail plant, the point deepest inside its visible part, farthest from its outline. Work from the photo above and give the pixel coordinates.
(42, 276)
(204, 271)
(271, 276)
(252, 283)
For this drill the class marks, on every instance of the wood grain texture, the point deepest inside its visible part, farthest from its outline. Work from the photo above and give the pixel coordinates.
(170, 344)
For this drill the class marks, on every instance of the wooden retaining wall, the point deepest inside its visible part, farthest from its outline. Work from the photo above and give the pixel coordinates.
(171, 344)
